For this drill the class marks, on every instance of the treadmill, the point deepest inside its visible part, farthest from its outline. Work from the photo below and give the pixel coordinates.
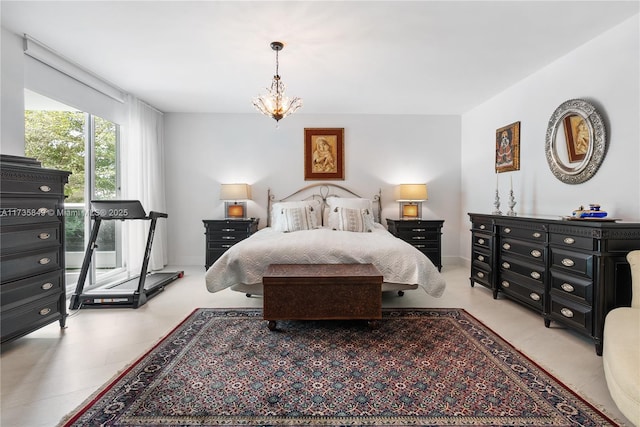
(132, 292)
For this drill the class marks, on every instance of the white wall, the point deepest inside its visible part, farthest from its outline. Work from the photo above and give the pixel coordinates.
(205, 150)
(12, 103)
(604, 71)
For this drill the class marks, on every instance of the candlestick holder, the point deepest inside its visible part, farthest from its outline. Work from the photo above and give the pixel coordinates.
(496, 203)
(512, 204)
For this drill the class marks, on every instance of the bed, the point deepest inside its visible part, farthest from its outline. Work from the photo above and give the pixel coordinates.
(324, 224)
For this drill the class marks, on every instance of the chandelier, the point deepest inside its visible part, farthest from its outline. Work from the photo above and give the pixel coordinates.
(275, 103)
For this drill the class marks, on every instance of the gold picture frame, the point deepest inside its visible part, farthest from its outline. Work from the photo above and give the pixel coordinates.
(576, 132)
(324, 154)
(508, 148)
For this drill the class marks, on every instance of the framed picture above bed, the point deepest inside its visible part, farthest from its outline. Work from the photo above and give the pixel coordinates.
(508, 148)
(323, 153)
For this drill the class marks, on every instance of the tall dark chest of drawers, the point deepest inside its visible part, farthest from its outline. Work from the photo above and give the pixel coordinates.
(221, 234)
(424, 235)
(571, 272)
(32, 275)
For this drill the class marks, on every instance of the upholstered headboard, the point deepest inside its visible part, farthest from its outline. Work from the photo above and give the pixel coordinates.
(320, 192)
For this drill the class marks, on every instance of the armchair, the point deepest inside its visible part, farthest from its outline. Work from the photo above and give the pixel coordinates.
(621, 351)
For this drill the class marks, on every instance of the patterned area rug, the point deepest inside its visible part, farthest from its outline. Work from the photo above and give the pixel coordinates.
(420, 367)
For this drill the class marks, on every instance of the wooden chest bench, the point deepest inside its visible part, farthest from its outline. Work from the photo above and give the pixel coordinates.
(321, 291)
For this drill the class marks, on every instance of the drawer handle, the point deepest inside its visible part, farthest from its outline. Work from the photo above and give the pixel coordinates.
(228, 229)
(418, 238)
(506, 246)
(45, 188)
(505, 284)
(567, 287)
(225, 246)
(569, 240)
(534, 296)
(567, 262)
(419, 246)
(45, 311)
(228, 237)
(44, 236)
(536, 253)
(419, 230)
(43, 211)
(46, 286)
(535, 275)
(482, 227)
(506, 265)
(507, 230)
(44, 261)
(480, 274)
(480, 258)
(537, 235)
(481, 241)
(566, 312)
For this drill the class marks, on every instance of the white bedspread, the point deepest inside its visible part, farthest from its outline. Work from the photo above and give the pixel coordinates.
(399, 262)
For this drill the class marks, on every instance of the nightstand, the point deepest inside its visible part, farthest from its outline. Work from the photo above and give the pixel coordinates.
(221, 234)
(425, 235)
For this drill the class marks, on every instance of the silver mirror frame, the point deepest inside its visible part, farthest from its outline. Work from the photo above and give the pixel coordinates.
(597, 146)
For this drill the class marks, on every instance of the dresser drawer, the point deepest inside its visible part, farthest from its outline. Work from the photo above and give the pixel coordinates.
(529, 250)
(571, 242)
(29, 237)
(26, 264)
(481, 256)
(226, 236)
(36, 185)
(481, 275)
(570, 313)
(482, 240)
(483, 224)
(419, 236)
(25, 210)
(528, 291)
(536, 235)
(575, 262)
(29, 317)
(26, 290)
(530, 271)
(225, 227)
(577, 288)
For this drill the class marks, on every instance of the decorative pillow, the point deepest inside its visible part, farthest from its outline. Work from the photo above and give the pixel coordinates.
(296, 219)
(276, 211)
(346, 202)
(346, 219)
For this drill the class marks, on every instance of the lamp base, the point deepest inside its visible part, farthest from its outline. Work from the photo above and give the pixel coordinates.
(235, 210)
(410, 210)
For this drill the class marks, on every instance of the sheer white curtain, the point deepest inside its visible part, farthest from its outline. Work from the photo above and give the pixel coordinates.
(143, 179)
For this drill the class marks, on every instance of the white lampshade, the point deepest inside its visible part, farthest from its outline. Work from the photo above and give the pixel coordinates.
(411, 192)
(235, 192)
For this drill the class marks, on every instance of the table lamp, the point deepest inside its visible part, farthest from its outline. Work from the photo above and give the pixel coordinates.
(233, 194)
(410, 198)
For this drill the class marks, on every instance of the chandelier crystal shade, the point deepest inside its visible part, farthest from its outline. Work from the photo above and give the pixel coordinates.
(275, 103)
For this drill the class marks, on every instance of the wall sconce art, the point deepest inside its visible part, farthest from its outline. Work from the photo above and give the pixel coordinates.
(410, 198)
(234, 195)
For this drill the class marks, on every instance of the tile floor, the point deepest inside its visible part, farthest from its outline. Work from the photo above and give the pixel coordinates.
(48, 373)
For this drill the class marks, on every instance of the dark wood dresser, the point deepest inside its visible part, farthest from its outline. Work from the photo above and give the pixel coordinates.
(571, 272)
(425, 235)
(221, 234)
(32, 275)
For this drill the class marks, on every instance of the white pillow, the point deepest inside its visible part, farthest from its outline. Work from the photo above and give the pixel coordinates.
(296, 219)
(276, 211)
(346, 219)
(346, 202)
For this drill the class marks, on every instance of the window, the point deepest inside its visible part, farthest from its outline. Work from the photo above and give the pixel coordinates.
(61, 137)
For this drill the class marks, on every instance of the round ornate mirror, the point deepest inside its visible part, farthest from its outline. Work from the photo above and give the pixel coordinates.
(576, 141)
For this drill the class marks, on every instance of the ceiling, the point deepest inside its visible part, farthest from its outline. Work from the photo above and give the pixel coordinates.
(341, 57)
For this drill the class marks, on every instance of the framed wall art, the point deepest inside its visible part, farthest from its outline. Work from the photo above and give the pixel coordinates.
(323, 153)
(576, 133)
(508, 148)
